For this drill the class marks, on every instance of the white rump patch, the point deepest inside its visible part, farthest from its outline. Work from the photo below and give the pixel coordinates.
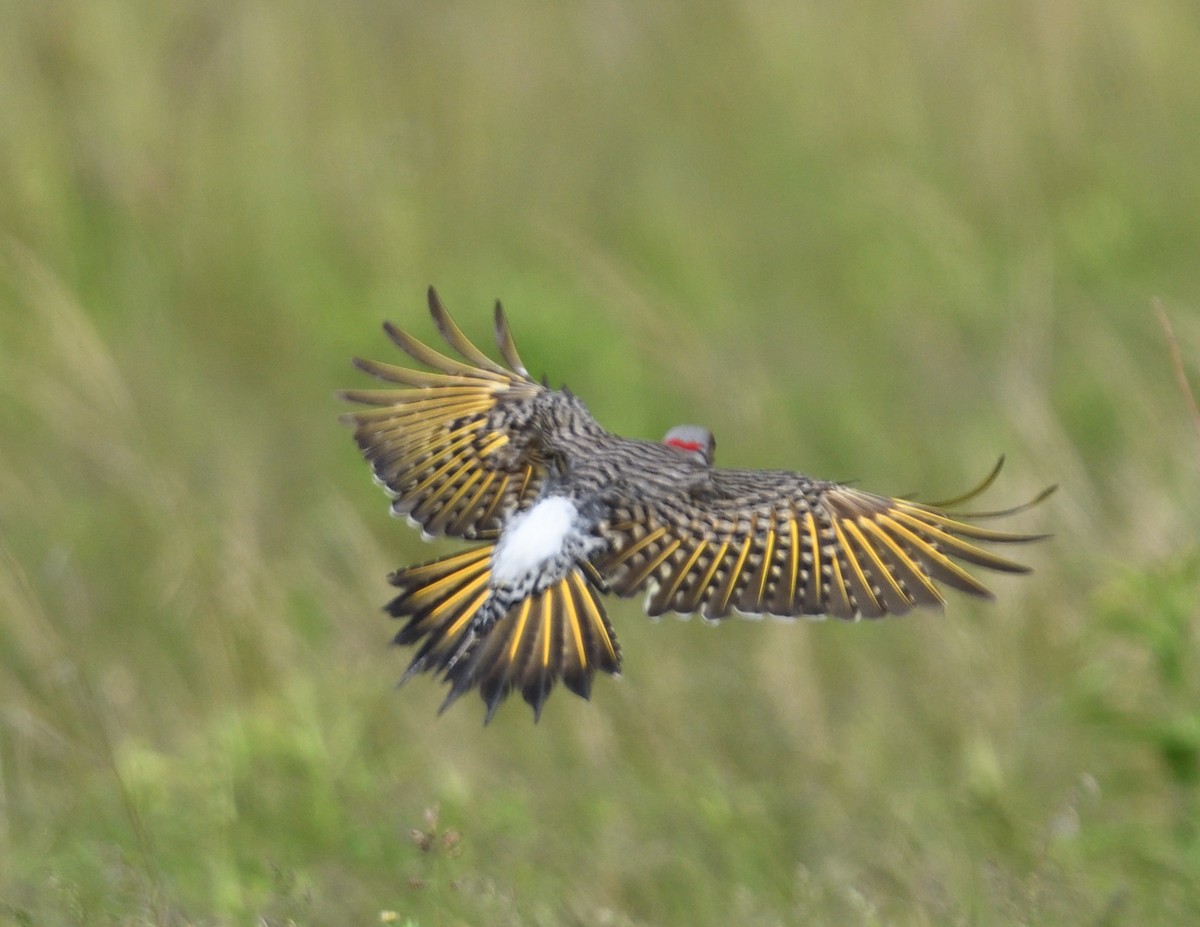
(532, 538)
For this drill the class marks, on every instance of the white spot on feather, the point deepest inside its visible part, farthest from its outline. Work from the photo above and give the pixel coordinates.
(532, 538)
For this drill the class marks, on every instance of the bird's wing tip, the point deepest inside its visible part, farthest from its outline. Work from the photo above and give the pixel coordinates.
(505, 342)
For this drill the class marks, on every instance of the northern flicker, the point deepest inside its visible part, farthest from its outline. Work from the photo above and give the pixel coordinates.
(565, 511)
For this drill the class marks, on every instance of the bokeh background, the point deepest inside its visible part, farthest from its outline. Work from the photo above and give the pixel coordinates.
(872, 240)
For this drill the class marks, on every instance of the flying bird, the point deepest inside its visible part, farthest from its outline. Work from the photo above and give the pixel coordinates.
(565, 512)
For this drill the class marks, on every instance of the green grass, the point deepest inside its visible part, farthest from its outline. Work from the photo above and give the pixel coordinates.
(877, 241)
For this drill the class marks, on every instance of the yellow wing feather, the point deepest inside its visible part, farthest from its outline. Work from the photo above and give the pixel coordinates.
(831, 549)
(436, 444)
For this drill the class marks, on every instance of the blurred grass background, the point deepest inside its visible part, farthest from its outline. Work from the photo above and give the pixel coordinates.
(883, 241)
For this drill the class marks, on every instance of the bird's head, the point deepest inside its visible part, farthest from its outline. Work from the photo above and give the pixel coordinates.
(694, 440)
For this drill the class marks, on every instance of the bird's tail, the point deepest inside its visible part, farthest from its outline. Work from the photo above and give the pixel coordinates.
(470, 637)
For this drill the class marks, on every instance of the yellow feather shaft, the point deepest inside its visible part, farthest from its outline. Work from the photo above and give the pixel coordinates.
(838, 583)
(572, 616)
(593, 615)
(495, 501)
(548, 619)
(959, 527)
(653, 563)
(466, 615)
(635, 548)
(417, 457)
(463, 464)
(814, 543)
(933, 553)
(880, 568)
(768, 553)
(389, 400)
(519, 630)
(732, 579)
(852, 559)
(794, 562)
(682, 573)
(431, 405)
(431, 358)
(712, 570)
(417, 378)
(901, 555)
(495, 442)
(487, 481)
(423, 595)
(453, 563)
(963, 548)
(451, 504)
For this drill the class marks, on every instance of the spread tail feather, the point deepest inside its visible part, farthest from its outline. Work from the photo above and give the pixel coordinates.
(560, 633)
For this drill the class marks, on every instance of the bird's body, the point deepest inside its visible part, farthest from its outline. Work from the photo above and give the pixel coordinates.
(566, 510)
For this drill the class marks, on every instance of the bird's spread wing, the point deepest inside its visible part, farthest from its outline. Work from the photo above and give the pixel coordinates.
(771, 542)
(441, 446)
